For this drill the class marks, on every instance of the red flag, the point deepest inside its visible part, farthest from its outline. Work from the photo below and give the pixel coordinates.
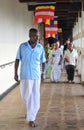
(43, 12)
(51, 28)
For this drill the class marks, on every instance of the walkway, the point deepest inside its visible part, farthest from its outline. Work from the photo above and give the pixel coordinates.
(62, 108)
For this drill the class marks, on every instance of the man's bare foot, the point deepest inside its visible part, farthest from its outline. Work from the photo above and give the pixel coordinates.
(32, 124)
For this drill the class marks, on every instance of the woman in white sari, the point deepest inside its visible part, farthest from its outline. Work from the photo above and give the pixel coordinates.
(56, 70)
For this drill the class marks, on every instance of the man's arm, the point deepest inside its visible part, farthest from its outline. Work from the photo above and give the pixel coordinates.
(60, 62)
(43, 67)
(16, 69)
(66, 57)
(43, 71)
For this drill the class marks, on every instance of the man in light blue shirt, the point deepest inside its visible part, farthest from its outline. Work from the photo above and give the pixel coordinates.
(32, 55)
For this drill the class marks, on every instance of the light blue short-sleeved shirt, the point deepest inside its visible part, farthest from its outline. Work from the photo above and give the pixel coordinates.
(31, 58)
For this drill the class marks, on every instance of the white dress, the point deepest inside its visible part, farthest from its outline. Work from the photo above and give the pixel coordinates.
(56, 70)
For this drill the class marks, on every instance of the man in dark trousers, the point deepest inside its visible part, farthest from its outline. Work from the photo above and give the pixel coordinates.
(70, 57)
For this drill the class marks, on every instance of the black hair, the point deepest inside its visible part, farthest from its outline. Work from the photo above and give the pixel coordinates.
(46, 40)
(68, 39)
(33, 30)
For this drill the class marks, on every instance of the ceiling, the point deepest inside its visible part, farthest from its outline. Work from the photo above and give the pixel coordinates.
(66, 10)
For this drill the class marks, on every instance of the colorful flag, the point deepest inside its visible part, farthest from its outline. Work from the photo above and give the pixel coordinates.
(51, 28)
(43, 12)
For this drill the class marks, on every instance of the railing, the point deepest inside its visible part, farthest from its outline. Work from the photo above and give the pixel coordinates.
(4, 65)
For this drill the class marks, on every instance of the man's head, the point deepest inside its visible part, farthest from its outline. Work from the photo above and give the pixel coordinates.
(57, 44)
(70, 46)
(67, 41)
(33, 34)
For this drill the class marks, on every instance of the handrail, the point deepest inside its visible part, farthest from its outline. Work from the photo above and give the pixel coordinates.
(9, 63)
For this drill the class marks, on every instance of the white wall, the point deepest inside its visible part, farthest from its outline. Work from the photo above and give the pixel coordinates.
(15, 21)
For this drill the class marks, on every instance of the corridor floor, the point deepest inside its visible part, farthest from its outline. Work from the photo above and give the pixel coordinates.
(62, 108)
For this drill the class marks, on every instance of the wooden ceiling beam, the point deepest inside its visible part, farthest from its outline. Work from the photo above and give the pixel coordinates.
(64, 1)
(66, 18)
(66, 14)
(61, 7)
(66, 10)
(66, 24)
(63, 23)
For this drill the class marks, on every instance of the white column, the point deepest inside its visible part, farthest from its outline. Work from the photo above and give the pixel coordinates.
(79, 64)
(82, 70)
(82, 45)
(82, 29)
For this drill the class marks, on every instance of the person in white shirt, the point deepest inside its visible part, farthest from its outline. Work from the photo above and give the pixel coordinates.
(70, 58)
(56, 69)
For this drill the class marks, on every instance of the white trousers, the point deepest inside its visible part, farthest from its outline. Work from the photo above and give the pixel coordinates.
(30, 92)
(56, 73)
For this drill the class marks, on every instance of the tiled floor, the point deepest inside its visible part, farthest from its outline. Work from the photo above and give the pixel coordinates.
(62, 108)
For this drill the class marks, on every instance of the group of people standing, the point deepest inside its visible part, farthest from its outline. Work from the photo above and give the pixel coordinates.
(55, 54)
(35, 59)
(61, 56)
